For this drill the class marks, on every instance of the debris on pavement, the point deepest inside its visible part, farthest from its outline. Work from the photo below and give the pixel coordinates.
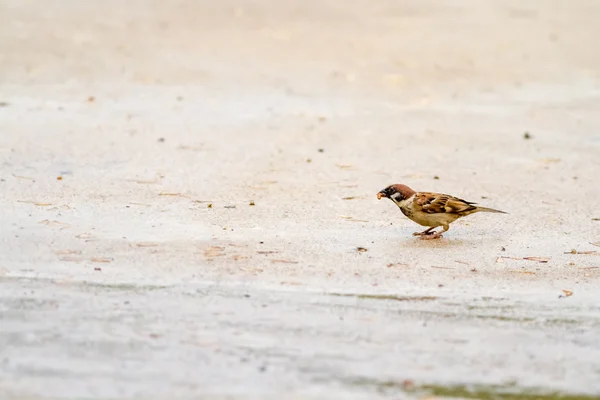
(567, 293)
(573, 251)
(352, 219)
(536, 259)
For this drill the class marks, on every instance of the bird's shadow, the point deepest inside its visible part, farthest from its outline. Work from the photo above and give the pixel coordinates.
(443, 242)
(448, 241)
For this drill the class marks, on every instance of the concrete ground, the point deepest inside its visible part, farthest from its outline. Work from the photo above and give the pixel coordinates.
(189, 211)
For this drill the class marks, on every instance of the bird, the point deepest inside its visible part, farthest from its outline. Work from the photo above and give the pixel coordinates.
(431, 209)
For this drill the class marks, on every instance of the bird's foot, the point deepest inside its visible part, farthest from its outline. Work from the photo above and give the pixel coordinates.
(431, 235)
(424, 233)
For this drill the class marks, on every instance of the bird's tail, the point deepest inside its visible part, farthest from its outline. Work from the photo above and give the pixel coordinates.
(485, 209)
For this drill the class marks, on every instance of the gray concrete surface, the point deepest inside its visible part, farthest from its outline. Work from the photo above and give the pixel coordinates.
(134, 137)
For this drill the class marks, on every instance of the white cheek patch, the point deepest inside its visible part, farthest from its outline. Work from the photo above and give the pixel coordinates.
(398, 198)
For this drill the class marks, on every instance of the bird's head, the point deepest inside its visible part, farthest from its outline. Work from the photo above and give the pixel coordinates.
(396, 193)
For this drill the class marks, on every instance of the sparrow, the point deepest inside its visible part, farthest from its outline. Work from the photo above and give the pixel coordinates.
(430, 209)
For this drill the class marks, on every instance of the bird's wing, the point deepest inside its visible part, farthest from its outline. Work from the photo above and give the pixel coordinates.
(433, 203)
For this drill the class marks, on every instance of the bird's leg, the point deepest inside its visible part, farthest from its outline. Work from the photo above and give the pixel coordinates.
(435, 235)
(424, 233)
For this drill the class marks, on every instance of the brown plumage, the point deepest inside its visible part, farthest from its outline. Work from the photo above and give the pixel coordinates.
(431, 209)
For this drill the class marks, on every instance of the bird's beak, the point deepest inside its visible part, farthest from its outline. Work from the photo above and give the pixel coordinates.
(380, 195)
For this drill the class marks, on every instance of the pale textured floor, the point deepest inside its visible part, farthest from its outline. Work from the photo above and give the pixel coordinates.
(120, 281)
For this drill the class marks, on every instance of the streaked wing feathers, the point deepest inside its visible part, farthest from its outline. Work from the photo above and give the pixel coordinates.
(433, 203)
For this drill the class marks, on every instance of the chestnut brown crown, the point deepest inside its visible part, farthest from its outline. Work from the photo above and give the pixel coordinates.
(404, 192)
